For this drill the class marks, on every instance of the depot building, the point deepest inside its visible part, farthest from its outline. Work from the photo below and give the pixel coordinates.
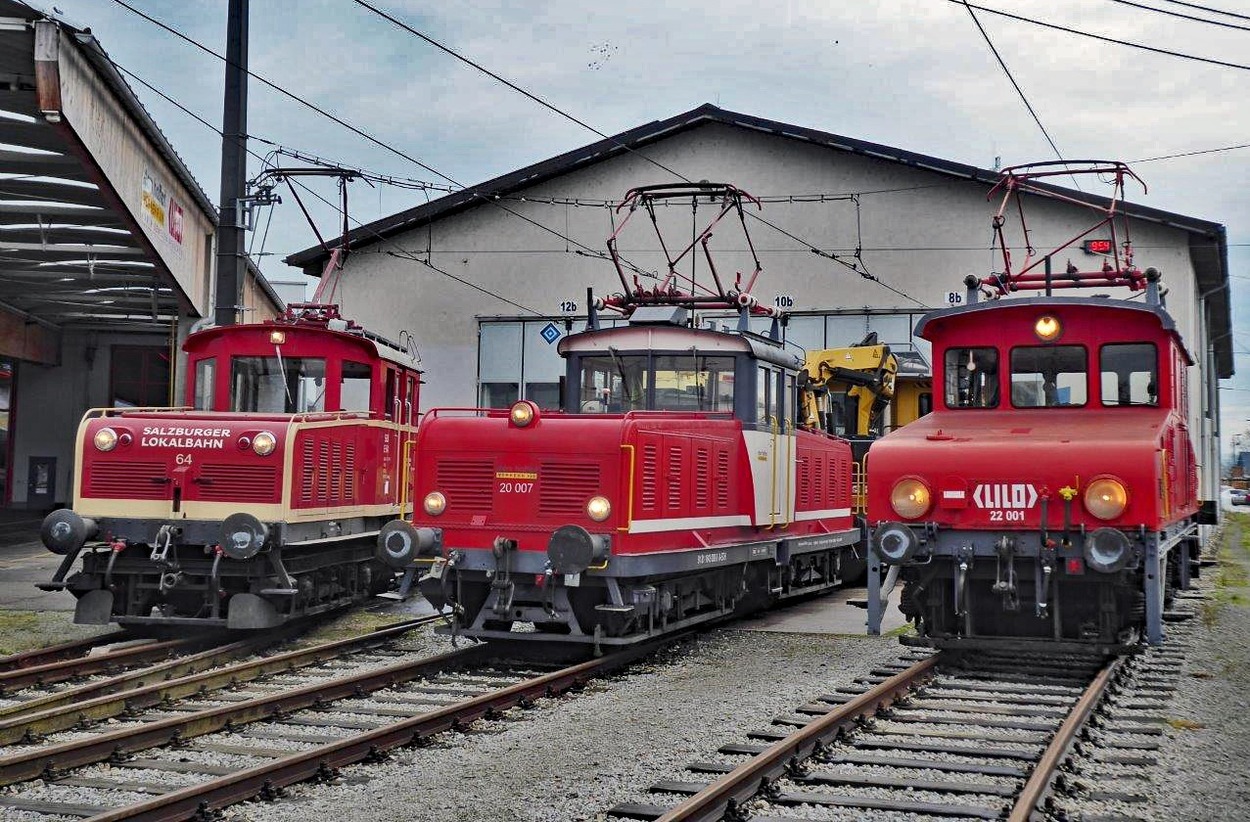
(107, 246)
(853, 238)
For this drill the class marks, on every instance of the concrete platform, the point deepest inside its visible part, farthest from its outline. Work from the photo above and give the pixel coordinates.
(830, 613)
(22, 564)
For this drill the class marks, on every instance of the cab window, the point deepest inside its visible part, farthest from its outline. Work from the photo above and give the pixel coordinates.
(613, 384)
(354, 386)
(290, 385)
(205, 383)
(1048, 376)
(692, 382)
(971, 377)
(1130, 374)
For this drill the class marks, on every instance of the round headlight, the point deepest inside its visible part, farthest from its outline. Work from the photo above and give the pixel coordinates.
(896, 543)
(523, 413)
(105, 439)
(264, 443)
(1106, 498)
(435, 503)
(1047, 328)
(599, 508)
(910, 498)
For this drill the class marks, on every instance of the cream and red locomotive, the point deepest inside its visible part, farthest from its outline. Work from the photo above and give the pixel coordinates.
(261, 500)
(673, 486)
(1052, 495)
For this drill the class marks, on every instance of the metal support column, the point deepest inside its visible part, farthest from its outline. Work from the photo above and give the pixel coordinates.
(231, 259)
(1154, 571)
(876, 606)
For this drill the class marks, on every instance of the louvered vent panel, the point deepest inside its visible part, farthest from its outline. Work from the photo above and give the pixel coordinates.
(722, 480)
(803, 499)
(819, 480)
(349, 472)
(128, 479)
(650, 477)
(702, 479)
(308, 473)
(467, 484)
(237, 483)
(674, 473)
(337, 478)
(564, 488)
(323, 471)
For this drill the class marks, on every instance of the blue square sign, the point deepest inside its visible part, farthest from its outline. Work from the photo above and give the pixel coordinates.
(550, 333)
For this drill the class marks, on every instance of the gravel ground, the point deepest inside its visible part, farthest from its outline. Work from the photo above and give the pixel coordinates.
(574, 757)
(1205, 764)
(23, 630)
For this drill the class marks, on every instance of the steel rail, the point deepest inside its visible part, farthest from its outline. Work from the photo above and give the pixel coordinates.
(61, 670)
(1038, 784)
(103, 700)
(746, 780)
(65, 650)
(268, 777)
(27, 765)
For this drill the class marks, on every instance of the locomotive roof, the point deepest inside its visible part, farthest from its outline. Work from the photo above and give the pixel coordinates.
(1165, 319)
(678, 339)
(376, 345)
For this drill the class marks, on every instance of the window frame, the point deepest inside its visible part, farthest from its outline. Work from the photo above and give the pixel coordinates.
(1011, 371)
(946, 376)
(1157, 369)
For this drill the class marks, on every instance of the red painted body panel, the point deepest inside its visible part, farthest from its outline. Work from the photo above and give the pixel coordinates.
(676, 481)
(1004, 460)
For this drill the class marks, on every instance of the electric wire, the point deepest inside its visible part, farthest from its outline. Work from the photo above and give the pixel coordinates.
(1208, 9)
(1102, 38)
(1190, 153)
(486, 198)
(403, 252)
(1003, 65)
(1181, 15)
(859, 267)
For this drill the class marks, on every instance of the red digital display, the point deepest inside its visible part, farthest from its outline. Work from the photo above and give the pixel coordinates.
(1097, 246)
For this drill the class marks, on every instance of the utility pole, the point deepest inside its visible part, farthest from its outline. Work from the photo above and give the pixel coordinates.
(231, 262)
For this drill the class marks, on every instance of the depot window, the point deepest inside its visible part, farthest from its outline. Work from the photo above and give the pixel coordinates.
(1130, 374)
(971, 377)
(1048, 376)
(281, 385)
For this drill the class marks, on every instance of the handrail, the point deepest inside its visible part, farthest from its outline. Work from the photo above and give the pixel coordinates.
(629, 504)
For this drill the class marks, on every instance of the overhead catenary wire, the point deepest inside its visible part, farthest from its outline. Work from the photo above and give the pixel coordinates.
(1208, 9)
(859, 267)
(1024, 99)
(484, 197)
(1181, 15)
(1103, 38)
(403, 253)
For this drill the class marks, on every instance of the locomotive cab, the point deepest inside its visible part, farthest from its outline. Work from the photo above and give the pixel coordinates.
(257, 501)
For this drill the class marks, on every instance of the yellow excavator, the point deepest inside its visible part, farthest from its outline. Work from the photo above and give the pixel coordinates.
(862, 391)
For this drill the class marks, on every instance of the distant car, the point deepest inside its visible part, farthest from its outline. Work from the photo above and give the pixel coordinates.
(1240, 497)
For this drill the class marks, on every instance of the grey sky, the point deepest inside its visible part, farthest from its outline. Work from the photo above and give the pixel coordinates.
(909, 73)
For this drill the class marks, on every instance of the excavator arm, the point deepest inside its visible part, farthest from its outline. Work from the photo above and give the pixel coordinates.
(849, 388)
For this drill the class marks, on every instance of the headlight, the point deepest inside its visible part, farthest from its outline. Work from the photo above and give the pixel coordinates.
(435, 503)
(910, 498)
(523, 413)
(1047, 328)
(1106, 498)
(264, 443)
(106, 439)
(599, 508)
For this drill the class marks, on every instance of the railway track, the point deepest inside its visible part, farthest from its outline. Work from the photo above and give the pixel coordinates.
(935, 736)
(190, 758)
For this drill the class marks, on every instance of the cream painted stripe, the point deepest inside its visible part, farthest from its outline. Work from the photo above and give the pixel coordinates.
(651, 526)
(828, 513)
